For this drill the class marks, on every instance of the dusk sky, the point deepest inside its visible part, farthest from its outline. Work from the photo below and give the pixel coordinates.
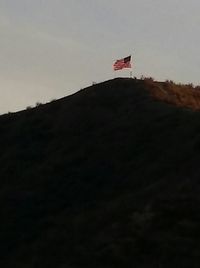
(52, 48)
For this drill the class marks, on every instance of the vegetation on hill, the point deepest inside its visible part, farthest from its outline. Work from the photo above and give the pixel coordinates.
(177, 94)
(107, 177)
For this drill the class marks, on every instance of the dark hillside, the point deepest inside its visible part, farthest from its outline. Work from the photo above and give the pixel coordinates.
(108, 177)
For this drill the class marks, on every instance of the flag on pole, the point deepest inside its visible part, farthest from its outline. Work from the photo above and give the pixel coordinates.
(122, 63)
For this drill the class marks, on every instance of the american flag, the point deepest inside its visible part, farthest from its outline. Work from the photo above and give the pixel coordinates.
(122, 63)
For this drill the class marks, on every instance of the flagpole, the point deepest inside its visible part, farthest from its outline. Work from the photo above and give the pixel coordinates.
(131, 71)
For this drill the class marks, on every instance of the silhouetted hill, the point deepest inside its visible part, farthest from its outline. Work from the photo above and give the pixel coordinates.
(107, 177)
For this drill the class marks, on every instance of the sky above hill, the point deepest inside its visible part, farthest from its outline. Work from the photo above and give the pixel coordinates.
(50, 49)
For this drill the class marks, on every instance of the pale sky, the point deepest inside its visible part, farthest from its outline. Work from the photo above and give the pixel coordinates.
(52, 48)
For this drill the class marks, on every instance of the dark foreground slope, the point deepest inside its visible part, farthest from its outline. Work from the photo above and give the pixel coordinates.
(108, 177)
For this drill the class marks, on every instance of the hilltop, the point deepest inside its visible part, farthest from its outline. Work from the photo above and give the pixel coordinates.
(107, 177)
